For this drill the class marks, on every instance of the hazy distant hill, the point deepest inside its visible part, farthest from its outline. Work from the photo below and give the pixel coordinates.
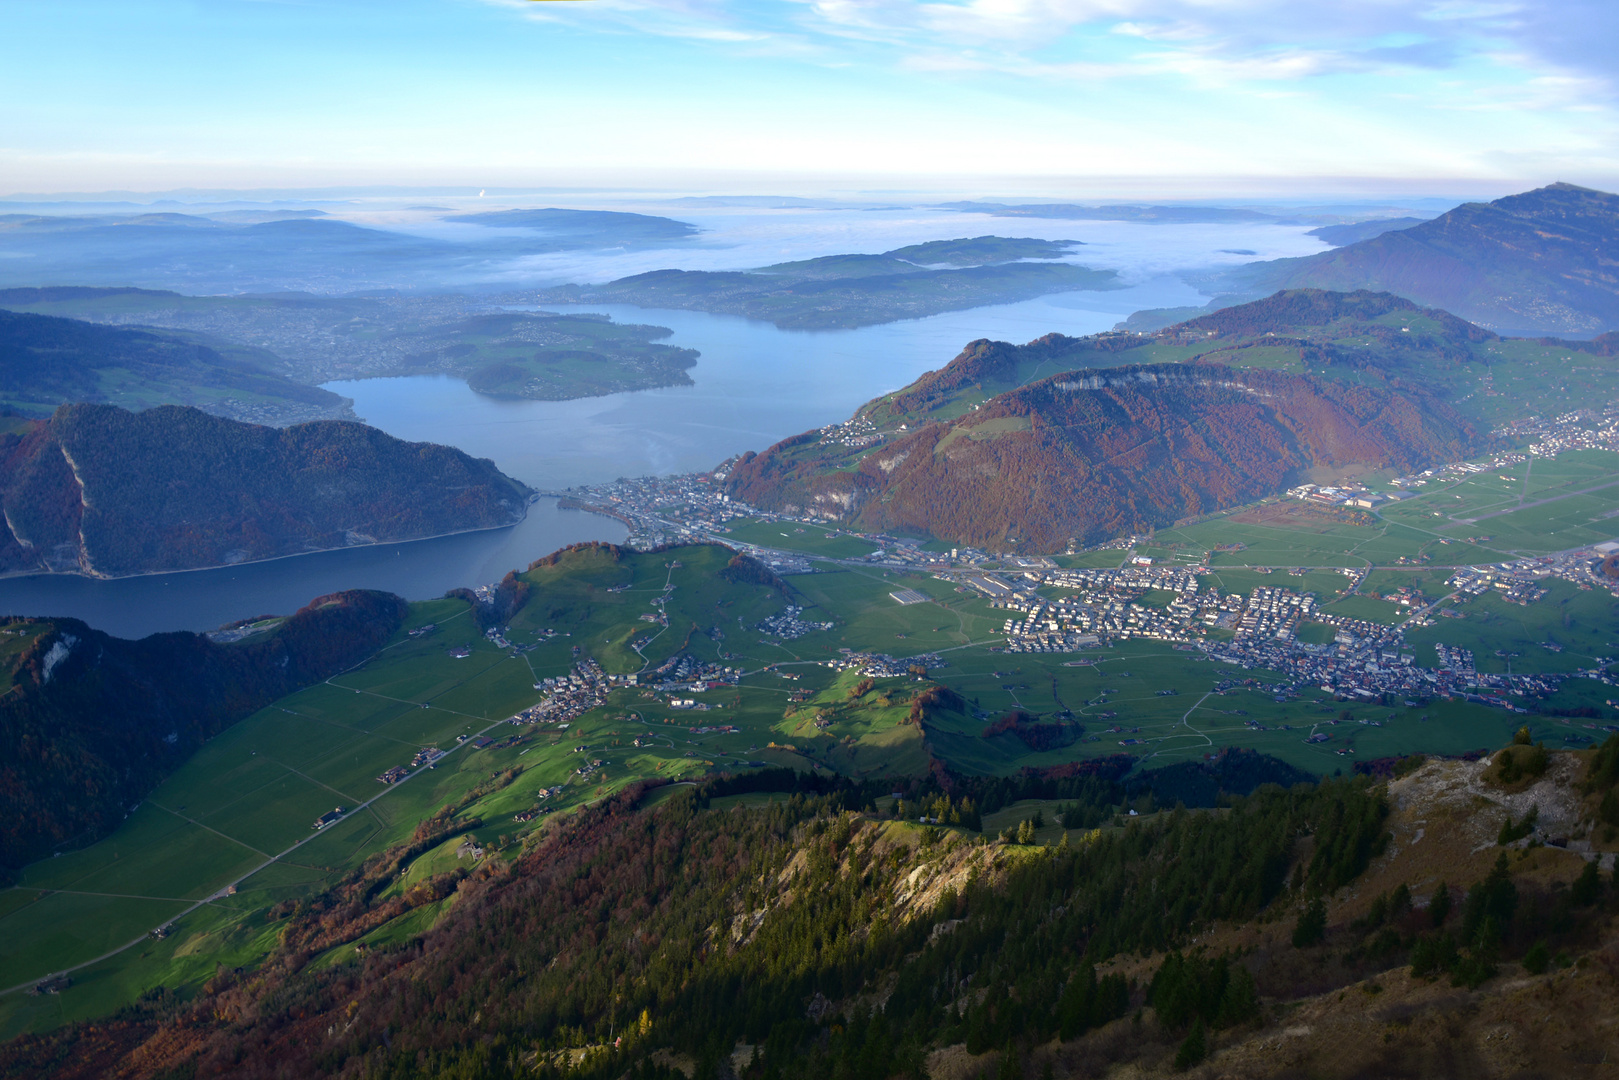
(314, 254)
(1084, 439)
(317, 339)
(585, 227)
(844, 291)
(1356, 231)
(102, 491)
(1544, 262)
(46, 362)
(90, 723)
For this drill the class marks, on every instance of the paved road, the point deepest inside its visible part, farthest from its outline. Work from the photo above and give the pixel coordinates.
(1537, 502)
(268, 861)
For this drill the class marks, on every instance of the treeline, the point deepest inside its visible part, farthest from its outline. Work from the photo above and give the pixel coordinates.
(629, 931)
(1034, 734)
(91, 723)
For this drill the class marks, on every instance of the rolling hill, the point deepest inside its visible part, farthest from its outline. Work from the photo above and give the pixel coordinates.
(100, 491)
(1543, 262)
(47, 361)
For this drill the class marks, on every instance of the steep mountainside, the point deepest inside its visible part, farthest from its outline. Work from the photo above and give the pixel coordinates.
(90, 723)
(1086, 438)
(1094, 453)
(1543, 262)
(101, 491)
(46, 362)
(1324, 937)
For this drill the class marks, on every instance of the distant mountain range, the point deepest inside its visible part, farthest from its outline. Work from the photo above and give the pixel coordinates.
(275, 251)
(1543, 262)
(1032, 447)
(846, 291)
(316, 339)
(46, 362)
(100, 491)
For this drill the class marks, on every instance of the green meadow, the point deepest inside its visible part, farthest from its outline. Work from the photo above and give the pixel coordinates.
(228, 836)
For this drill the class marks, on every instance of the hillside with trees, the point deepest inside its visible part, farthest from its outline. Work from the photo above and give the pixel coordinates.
(47, 361)
(817, 937)
(90, 723)
(104, 492)
(1090, 454)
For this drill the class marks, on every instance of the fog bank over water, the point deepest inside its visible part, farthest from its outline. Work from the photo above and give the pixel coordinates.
(747, 237)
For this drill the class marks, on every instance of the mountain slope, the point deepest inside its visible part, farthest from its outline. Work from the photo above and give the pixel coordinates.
(1087, 438)
(105, 492)
(1095, 453)
(1543, 262)
(634, 941)
(47, 361)
(90, 723)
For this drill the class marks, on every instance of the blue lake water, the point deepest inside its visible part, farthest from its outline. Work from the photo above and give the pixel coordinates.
(753, 385)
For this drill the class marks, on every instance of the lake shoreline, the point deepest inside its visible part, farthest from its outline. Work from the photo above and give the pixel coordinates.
(79, 574)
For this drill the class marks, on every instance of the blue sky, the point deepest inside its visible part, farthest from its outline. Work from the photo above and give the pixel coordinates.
(1107, 97)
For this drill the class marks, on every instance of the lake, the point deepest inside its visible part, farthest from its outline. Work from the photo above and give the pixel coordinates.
(754, 385)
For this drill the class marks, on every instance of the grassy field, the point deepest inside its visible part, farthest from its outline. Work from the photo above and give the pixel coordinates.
(239, 813)
(1125, 681)
(1510, 637)
(1537, 506)
(797, 536)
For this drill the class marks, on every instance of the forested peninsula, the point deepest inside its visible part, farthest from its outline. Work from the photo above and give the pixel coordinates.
(103, 492)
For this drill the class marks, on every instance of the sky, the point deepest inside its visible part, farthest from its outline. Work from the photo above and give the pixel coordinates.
(1060, 98)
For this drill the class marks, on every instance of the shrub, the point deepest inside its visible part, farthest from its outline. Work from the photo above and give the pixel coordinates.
(1312, 925)
(1193, 1050)
(1537, 959)
(1587, 888)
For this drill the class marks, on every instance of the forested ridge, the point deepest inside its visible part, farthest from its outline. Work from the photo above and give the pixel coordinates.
(90, 723)
(1031, 447)
(1091, 454)
(106, 492)
(689, 929)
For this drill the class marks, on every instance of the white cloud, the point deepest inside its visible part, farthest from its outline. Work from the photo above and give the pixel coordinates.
(1215, 41)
